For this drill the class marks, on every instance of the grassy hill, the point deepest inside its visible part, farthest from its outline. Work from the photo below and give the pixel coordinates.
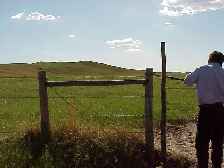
(82, 68)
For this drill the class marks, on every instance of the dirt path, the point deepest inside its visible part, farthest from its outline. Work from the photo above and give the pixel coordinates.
(180, 140)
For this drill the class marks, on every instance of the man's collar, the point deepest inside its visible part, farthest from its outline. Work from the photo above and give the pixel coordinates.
(214, 64)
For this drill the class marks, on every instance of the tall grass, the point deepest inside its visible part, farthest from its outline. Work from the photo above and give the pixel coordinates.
(81, 148)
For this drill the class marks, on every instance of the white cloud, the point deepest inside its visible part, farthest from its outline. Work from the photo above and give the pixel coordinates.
(134, 50)
(128, 44)
(170, 24)
(18, 16)
(189, 7)
(35, 16)
(71, 36)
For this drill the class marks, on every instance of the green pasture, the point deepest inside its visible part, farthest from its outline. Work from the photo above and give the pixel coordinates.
(103, 107)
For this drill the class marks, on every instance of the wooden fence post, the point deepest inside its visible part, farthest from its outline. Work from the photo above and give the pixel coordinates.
(163, 103)
(149, 137)
(45, 128)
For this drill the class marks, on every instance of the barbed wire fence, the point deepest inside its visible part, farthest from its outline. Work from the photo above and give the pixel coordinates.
(13, 111)
(70, 101)
(31, 96)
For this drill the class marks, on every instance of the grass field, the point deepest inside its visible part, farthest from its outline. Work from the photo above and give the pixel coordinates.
(109, 109)
(104, 107)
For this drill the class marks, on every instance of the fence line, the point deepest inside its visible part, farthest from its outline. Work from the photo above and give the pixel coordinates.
(175, 78)
(94, 82)
(148, 82)
(170, 77)
(117, 115)
(63, 98)
(16, 77)
(136, 76)
(192, 88)
(89, 97)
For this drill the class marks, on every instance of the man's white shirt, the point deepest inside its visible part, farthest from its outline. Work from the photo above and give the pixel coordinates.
(209, 80)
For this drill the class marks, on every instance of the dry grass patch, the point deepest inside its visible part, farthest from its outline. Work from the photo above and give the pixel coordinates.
(89, 148)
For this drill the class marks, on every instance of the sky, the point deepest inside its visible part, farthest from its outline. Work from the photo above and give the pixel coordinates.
(123, 33)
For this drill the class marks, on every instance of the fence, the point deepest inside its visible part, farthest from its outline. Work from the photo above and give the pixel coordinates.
(44, 84)
(20, 91)
(148, 82)
(13, 111)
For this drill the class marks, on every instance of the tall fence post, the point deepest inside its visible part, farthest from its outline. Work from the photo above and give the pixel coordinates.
(45, 127)
(163, 103)
(149, 137)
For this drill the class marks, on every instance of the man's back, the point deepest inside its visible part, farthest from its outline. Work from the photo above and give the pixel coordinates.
(209, 80)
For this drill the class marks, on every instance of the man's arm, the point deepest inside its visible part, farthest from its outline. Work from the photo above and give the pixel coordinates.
(191, 78)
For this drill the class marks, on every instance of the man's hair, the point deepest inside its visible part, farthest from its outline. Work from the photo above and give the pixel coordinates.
(216, 57)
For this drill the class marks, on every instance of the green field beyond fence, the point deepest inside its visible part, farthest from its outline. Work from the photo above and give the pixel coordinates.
(102, 107)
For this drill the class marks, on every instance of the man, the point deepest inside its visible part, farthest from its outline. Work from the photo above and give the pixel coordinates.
(209, 80)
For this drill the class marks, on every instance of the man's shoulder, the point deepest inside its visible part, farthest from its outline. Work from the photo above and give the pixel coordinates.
(209, 68)
(200, 68)
(203, 67)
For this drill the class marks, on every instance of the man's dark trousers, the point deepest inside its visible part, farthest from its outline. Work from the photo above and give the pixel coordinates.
(210, 127)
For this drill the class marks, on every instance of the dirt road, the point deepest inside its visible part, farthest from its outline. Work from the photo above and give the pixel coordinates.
(181, 140)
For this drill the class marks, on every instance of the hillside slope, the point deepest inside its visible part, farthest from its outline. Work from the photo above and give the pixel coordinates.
(82, 68)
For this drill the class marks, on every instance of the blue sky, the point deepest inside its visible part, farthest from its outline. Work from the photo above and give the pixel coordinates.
(119, 32)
